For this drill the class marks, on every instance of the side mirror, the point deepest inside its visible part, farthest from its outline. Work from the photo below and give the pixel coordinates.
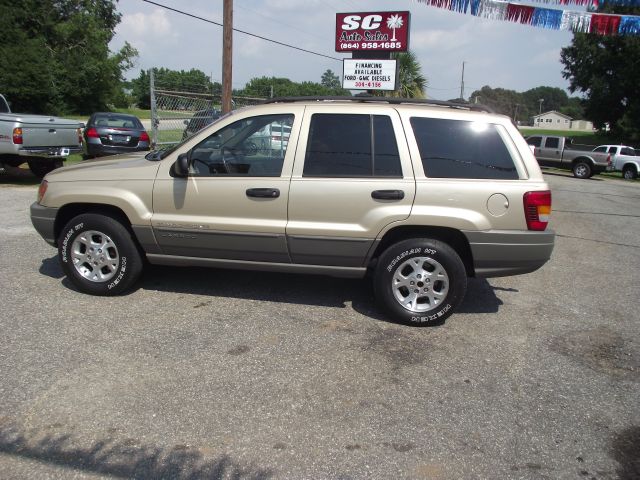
(181, 167)
(186, 122)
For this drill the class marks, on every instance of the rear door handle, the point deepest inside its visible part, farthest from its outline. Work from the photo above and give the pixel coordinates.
(387, 194)
(263, 192)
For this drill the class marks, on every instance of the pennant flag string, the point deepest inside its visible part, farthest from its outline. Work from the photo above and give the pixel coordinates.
(554, 19)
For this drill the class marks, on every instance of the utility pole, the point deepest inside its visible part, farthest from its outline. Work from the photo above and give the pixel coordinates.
(540, 101)
(227, 55)
(462, 83)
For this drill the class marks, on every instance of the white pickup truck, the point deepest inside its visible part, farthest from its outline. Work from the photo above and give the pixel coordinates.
(623, 159)
(43, 142)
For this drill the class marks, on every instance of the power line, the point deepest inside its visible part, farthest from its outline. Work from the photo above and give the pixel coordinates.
(242, 31)
(244, 7)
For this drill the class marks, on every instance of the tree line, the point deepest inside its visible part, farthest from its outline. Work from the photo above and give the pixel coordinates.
(56, 60)
(523, 106)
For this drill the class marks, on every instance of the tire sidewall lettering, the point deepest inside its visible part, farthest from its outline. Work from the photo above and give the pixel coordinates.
(435, 316)
(408, 253)
(65, 242)
(121, 273)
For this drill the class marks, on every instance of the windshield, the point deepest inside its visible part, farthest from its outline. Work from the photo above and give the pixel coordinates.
(163, 151)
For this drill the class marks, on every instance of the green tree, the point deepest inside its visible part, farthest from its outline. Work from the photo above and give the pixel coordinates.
(605, 69)
(330, 80)
(501, 100)
(553, 98)
(194, 80)
(574, 109)
(56, 56)
(283, 87)
(411, 82)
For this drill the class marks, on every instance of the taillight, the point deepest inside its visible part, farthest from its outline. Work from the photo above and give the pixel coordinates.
(79, 132)
(92, 133)
(17, 136)
(42, 190)
(144, 137)
(537, 209)
(609, 160)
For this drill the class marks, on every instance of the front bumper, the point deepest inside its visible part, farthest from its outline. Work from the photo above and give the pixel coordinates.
(498, 253)
(43, 220)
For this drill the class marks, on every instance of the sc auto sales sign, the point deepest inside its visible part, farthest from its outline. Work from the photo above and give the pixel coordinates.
(372, 31)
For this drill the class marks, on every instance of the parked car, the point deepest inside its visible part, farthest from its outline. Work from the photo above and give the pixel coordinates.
(200, 119)
(623, 159)
(272, 137)
(552, 151)
(43, 142)
(113, 133)
(422, 194)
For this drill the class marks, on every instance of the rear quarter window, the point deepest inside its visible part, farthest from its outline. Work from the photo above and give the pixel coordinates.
(462, 149)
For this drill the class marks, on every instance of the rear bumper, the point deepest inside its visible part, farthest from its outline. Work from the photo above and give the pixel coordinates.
(99, 149)
(498, 253)
(49, 152)
(43, 220)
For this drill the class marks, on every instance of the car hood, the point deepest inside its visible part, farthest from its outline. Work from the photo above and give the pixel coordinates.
(119, 167)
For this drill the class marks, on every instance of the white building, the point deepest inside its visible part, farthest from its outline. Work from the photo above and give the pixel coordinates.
(553, 120)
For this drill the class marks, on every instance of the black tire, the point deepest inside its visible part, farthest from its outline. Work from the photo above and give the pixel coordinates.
(114, 264)
(629, 173)
(415, 260)
(582, 169)
(41, 167)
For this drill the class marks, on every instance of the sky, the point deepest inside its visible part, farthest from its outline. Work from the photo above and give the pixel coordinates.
(496, 53)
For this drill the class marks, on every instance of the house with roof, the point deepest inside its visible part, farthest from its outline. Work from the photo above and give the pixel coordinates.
(553, 120)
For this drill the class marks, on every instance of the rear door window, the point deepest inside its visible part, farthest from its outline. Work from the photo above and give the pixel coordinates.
(351, 145)
(462, 149)
(628, 151)
(552, 142)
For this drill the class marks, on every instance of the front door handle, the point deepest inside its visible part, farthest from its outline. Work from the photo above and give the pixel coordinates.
(387, 194)
(263, 192)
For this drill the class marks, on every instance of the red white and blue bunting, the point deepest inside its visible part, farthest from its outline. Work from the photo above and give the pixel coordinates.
(554, 19)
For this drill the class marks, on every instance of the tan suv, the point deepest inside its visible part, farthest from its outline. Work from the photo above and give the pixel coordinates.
(422, 194)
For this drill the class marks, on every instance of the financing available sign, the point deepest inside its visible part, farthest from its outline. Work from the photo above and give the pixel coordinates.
(367, 74)
(373, 32)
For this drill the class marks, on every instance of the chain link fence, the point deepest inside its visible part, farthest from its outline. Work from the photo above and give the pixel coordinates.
(175, 115)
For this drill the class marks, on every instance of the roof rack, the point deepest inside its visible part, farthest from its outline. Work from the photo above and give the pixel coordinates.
(391, 100)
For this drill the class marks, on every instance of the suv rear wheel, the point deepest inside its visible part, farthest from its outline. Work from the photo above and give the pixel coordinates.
(420, 281)
(98, 255)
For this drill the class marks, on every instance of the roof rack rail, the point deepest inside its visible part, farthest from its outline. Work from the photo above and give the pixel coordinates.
(391, 100)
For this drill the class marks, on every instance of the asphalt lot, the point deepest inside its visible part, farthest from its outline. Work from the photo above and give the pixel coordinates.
(237, 375)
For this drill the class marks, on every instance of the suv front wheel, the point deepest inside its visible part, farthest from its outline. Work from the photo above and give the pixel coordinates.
(98, 255)
(420, 281)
